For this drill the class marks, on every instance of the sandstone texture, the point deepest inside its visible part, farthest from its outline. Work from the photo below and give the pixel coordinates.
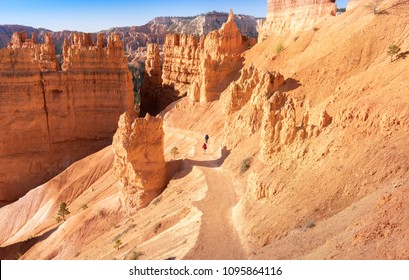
(246, 98)
(354, 3)
(52, 116)
(154, 98)
(196, 67)
(293, 16)
(307, 159)
(139, 160)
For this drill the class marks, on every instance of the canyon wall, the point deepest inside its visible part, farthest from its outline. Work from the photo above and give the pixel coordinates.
(203, 68)
(139, 160)
(151, 88)
(258, 104)
(154, 97)
(181, 62)
(52, 115)
(293, 16)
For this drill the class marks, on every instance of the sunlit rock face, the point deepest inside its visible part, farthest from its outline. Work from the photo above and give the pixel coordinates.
(52, 115)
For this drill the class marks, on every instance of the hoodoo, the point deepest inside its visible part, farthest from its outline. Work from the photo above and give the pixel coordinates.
(306, 158)
(201, 69)
(139, 160)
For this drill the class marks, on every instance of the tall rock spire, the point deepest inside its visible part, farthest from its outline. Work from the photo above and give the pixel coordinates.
(231, 16)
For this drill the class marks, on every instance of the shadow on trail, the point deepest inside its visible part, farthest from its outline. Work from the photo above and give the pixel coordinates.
(185, 165)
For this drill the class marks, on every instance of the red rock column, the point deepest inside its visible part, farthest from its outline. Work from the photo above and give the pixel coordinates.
(139, 160)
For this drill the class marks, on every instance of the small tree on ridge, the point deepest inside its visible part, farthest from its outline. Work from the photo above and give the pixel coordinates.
(174, 152)
(392, 50)
(63, 210)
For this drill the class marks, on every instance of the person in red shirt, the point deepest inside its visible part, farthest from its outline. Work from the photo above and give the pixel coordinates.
(204, 147)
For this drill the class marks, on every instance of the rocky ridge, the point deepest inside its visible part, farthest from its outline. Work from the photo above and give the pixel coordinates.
(136, 38)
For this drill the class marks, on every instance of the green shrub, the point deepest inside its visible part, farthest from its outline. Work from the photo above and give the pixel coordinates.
(245, 165)
(279, 48)
(63, 211)
(392, 50)
(117, 244)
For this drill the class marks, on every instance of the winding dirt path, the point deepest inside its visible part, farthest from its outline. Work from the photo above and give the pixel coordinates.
(217, 237)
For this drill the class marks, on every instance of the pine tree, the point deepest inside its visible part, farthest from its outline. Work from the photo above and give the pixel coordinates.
(63, 210)
(175, 152)
(392, 50)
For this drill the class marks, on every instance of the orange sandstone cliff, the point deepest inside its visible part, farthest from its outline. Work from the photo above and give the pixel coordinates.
(307, 159)
(293, 16)
(202, 68)
(154, 97)
(139, 160)
(52, 116)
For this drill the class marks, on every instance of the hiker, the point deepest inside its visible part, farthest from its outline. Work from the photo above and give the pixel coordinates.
(204, 147)
(206, 138)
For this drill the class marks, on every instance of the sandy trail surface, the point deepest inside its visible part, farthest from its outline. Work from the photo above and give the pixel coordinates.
(217, 238)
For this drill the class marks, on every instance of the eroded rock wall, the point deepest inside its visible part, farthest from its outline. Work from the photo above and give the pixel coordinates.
(139, 160)
(52, 116)
(203, 68)
(279, 127)
(181, 62)
(293, 16)
(153, 99)
(247, 96)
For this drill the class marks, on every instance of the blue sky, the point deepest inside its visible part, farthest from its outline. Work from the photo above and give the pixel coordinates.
(92, 15)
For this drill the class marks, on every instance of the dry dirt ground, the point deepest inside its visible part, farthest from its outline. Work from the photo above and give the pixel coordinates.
(341, 195)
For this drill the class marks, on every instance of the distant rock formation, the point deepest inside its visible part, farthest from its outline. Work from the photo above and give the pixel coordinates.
(136, 38)
(52, 116)
(155, 31)
(139, 160)
(294, 15)
(201, 68)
